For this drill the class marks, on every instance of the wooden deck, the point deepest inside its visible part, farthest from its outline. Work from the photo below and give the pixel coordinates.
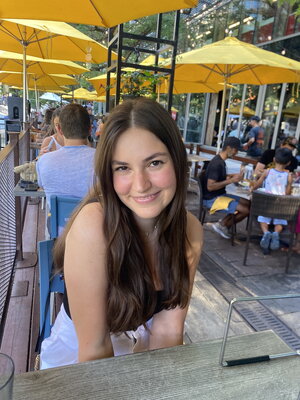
(208, 308)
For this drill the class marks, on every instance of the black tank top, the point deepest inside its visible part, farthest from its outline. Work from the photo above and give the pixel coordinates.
(159, 303)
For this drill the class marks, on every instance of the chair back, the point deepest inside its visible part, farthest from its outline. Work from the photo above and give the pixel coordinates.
(61, 207)
(48, 284)
(275, 206)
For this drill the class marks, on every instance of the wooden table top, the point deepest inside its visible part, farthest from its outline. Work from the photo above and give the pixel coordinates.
(184, 372)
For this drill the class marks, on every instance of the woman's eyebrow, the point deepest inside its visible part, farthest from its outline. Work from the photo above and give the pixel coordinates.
(114, 162)
(155, 155)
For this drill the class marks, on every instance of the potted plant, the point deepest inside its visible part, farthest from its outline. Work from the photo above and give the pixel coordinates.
(140, 83)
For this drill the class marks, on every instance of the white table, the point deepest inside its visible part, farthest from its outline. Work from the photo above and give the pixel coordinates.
(238, 191)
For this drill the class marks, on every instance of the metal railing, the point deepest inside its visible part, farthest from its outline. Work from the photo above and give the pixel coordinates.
(12, 209)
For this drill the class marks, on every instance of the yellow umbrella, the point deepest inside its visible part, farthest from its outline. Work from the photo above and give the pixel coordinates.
(246, 110)
(293, 111)
(82, 94)
(14, 62)
(233, 61)
(90, 12)
(48, 39)
(15, 78)
(99, 83)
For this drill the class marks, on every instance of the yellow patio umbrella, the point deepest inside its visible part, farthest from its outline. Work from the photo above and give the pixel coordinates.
(15, 78)
(292, 111)
(10, 61)
(233, 61)
(82, 94)
(246, 110)
(48, 39)
(91, 12)
(99, 83)
(37, 82)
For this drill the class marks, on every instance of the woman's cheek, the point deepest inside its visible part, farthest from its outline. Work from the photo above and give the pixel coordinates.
(121, 184)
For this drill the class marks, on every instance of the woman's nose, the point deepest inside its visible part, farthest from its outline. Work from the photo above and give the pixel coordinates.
(141, 182)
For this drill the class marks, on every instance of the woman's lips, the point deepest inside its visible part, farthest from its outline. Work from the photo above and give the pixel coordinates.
(146, 199)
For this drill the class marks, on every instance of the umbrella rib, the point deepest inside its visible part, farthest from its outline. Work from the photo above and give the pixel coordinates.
(98, 13)
(5, 30)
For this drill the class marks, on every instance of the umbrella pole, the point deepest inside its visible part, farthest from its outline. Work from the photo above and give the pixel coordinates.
(186, 116)
(222, 117)
(36, 95)
(24, 85)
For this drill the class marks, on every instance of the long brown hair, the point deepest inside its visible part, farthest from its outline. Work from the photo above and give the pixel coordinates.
(132, 296)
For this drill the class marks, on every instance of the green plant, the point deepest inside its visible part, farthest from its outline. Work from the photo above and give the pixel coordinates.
(140, 83)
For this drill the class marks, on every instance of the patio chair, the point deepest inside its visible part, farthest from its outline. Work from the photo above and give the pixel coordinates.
(203, 209)
(274, 206)
(48, 283)
(61, 207)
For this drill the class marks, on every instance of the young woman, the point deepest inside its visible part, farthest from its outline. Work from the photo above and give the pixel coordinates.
(54, 141)
(130, 253)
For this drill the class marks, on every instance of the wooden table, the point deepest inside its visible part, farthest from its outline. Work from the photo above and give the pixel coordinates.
(184, 372)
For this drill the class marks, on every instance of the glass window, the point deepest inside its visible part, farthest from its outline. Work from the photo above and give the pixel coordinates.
(290, 111)
(265, 21)
(247, 28)
(270, 112)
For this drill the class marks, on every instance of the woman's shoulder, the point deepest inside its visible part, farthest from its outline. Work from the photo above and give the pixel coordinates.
(88, 224)
(194, 235)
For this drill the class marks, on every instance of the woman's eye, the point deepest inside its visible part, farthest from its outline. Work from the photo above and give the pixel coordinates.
(156, 163)
(122, 168)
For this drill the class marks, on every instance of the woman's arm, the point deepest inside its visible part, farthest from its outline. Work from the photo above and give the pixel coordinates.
(86, 281)
(168, 325)
(44, 145)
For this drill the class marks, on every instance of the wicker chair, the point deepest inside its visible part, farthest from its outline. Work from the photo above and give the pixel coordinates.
(274, 206)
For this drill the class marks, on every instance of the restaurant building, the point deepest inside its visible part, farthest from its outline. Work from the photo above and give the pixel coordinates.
(266, 24)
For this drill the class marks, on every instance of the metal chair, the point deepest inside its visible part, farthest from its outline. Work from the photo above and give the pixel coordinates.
(48, 283)
(274, 206)
(61, 207)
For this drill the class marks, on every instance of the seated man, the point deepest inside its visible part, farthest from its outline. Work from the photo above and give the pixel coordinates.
(267, 158)
(215, 181)
(69, 171)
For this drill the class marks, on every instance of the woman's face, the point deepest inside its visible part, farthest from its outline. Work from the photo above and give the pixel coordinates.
(143, 173)
(56, 123)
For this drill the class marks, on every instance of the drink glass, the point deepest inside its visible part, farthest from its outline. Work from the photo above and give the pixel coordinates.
(7, 370)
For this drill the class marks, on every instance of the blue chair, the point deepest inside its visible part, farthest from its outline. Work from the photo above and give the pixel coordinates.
(49, 283)
(61, 207)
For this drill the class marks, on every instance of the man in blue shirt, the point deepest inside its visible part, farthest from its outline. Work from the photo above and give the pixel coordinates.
(69, 171)
(254, 145)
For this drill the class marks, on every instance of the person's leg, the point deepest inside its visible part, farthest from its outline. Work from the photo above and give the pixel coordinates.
(275, 241)
(240, 211)
(266, 239)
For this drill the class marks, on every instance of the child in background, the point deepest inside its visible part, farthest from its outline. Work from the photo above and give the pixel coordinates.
(278, 181)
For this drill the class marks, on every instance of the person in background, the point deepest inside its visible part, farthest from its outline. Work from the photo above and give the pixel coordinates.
(69, 170)
(277, 180)
(267, 158)
(255, 138)
(93, 122)
(46, 124)
(215, 181)
(130, 252)
(100, 127)
(55, 141)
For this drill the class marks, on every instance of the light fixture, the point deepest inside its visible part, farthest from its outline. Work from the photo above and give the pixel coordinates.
(283, 52)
